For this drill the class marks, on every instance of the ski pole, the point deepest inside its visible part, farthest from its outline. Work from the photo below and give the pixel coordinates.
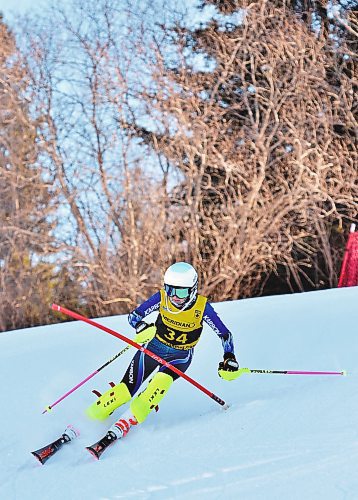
(291, 372)
(174, 369)
(48, 408)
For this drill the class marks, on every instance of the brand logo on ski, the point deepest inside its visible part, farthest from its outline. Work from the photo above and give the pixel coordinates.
(45, 453)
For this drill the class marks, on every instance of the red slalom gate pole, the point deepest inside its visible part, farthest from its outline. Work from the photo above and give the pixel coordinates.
(75, 315)
(349, 270)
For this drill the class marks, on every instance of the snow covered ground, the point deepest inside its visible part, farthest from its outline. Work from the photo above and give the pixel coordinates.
(283, 437)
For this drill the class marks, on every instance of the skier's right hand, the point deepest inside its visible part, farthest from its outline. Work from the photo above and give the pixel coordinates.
(144, 332)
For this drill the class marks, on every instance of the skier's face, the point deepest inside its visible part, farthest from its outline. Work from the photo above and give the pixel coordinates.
(177, 295)
(177, 302)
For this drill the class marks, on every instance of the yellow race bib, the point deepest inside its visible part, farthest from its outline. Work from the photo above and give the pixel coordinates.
(180, 329)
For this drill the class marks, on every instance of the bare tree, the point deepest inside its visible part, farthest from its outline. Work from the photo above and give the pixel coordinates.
(87, 73)
(231, 145)
(26, 200)
(253, 118)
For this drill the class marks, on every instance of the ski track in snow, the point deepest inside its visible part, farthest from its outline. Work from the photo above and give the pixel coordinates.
(283, 437)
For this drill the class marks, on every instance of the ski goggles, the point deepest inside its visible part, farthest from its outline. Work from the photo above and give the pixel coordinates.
(181, 293)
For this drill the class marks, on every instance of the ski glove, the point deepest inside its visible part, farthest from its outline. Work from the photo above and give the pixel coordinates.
(144, 332)
(229, 368)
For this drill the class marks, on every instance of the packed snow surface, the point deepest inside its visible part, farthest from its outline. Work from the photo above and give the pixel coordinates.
(283, 437)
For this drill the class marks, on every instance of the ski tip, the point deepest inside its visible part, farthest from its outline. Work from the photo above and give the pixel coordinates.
(344, 373)
(92, 452)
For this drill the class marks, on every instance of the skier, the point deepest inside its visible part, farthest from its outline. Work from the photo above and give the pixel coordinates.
(173, 337)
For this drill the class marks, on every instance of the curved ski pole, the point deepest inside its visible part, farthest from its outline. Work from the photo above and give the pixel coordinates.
(173, 368)
(290, 372)
(48, 408)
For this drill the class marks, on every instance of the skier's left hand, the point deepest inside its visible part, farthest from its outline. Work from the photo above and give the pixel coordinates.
(229, 368)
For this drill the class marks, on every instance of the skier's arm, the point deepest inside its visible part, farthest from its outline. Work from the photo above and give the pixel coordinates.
(144, 331)
(213, 320)
(229, 367)
(147, 307)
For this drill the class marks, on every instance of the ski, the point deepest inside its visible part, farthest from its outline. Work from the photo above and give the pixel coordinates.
(43, 454)
(100, 446)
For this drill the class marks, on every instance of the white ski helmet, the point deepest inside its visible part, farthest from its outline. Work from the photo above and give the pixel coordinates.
(181, 284)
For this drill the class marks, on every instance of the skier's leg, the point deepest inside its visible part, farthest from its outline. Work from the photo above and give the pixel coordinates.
(138, 370)
(144, 403)
(108, 402)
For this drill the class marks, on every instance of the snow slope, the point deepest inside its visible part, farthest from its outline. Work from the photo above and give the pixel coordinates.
(284, 436)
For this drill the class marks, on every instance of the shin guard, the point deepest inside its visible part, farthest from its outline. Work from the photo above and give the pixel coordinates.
(143, 404)
(108, 402)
